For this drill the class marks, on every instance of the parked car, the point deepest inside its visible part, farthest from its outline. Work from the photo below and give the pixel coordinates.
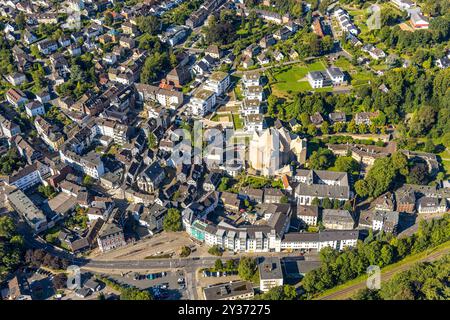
(180, 280)
(164, 285)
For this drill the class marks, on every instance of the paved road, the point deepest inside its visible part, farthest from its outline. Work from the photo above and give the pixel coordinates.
(385, 276)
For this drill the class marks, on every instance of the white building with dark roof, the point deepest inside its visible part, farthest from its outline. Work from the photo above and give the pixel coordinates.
(320, 184)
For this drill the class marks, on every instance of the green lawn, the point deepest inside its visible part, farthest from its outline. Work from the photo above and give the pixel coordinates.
(238, 123)
(344, 64)
(292, 80)
(360, 78)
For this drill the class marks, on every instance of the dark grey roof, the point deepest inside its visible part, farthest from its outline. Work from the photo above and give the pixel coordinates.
(270, 268)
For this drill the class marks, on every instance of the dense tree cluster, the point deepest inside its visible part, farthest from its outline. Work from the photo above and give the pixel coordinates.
(424, 281)
(321, 159)
(10, 162)
(11, 246)
(221, 28)
(382, 175)
(172, 222)
(339, 267)
(40, 258)
(247, 268)
(284, 292)
(159, 59)
(127, 292)
(413, 90)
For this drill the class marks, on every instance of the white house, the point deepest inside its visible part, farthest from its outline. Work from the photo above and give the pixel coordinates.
(16, 79)
(202, 102)
(34, 108)
(218, 82)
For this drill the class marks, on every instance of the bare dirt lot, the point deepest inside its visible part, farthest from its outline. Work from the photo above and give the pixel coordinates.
(161, 245)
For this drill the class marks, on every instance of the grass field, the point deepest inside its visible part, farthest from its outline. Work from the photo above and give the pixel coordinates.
(238, 123)
(292, 80)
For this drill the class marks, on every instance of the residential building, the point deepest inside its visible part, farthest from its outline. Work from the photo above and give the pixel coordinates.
(218, 82)
(270, 273)
(151, 177)
(335, 239)
(431, 205)
(16, 97)
(28, 210)
(321, 184)
(251, 106)
(202, 102)
(16, 79)
(365, 117)
(419, 21)
(337, 219)
(34, 108)
(379, 220)
(254, 123)
(308, 215)
(165, 97)
(178, 76)
(239, 290)
(110, 237)
(28, 176)
(9, 128)
(328, 77)
(153, 217)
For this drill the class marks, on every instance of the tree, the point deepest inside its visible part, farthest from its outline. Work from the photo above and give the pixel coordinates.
(382, 175)
(367, 294)
(218, 265)
(311, 130)
(418, 174)
(47, 191)
(109, 19)
(284, 292)
(325, 128)
(346, 164)
(185, 251)
(215, 250)
(247, 268)
(229, 265)
(387, 255)
(20, 20)
(59, 281)
(148, 24)
(321, 159)
(429, 146)
(172, 222)
(135, 294)
(326, 203)
(315, 201)
(87, 180)
(224, 184)
(7, 227)
(339, 127)
(152, 141)
(351, 127)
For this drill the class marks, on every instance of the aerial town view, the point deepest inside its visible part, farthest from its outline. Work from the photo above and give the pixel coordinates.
(224, 150)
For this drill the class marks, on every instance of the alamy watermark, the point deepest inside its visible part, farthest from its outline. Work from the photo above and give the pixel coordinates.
(374, 278)
(374, 20)
(73, 277)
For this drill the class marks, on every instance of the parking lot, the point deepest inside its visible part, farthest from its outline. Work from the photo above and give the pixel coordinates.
(168, 287)
(40, 283)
